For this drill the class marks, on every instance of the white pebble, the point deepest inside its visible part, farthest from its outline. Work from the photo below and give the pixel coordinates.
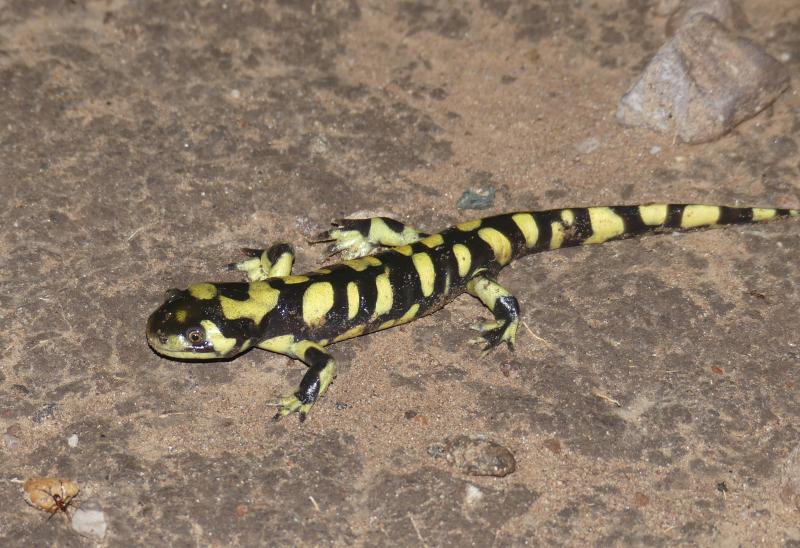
(72, 441)
(655, 151)
(474, 494)
(90, 520)
(235, 94)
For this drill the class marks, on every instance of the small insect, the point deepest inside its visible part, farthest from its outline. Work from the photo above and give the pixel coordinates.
(52, 495)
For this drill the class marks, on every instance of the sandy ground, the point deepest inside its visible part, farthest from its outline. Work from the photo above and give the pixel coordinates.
(143, 143)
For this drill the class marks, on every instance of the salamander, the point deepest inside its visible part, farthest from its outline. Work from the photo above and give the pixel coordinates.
(299, 315)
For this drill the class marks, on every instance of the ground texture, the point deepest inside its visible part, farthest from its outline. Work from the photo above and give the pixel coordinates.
(143, 143)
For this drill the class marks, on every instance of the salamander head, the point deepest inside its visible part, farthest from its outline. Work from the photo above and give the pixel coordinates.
(190, 325)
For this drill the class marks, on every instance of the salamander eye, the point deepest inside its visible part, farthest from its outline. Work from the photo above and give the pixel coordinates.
(171, 294)
(195, 336)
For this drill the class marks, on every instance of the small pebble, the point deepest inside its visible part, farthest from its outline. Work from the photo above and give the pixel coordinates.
(588, 145)
(476, 456)
(640, 499)
(90, 520)
(45, 412)
(319, 145)
(655, 151)
(480, 198)
(553, 445)
(474, 494)
(72, 441)
(9, 441)
(235, 94)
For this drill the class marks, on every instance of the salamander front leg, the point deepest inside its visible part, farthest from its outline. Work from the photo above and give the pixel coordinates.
(504, 307)
(320, 374)
(356, 238)
(262, 264)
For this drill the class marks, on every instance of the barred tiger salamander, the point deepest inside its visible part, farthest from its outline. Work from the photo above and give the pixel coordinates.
(299, 315)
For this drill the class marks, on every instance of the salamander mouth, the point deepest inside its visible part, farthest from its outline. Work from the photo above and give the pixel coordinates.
(172, 348)
(176, 345)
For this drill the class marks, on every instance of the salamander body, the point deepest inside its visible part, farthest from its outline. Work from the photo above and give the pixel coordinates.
(418, 273)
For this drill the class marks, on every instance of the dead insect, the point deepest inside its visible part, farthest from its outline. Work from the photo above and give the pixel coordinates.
(52, 495)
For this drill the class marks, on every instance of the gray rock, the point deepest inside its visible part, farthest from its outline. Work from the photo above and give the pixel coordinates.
(727, 12)
(90, 520)
(702, 83)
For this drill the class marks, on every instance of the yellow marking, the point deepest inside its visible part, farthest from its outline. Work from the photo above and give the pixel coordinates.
(379, 231)
(385, 297)
(568, 216)
(410, 314)
(263, 293)
(408, 235)
(501, 246)
(558, 235)
(282, 344)
(263, 299)
(362, 263)
(350, 333)
(187, 354)
(317, 301)
(463, 257)
(427, 274)
(700, 215)
(794, 213)
(353, 300)
(469, 225)
(653, 214)
(327, 374)
(222, 344)
(294, 279)
(301, 347)
(762, 214)
(605, 225)
(404, 250)
(486, 290)
(376, 228)
(527, 225)
(233, 309)
(387, 324)
(322, 271)
(180, 316)
(281, 267)
(433, 240)
(203, 291)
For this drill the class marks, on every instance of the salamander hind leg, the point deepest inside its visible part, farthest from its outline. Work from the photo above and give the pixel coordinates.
(320, 374)
(504, 307)
(266, 263)
(356, 238)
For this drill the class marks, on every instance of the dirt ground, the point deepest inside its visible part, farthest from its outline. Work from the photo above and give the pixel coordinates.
(143, 143)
